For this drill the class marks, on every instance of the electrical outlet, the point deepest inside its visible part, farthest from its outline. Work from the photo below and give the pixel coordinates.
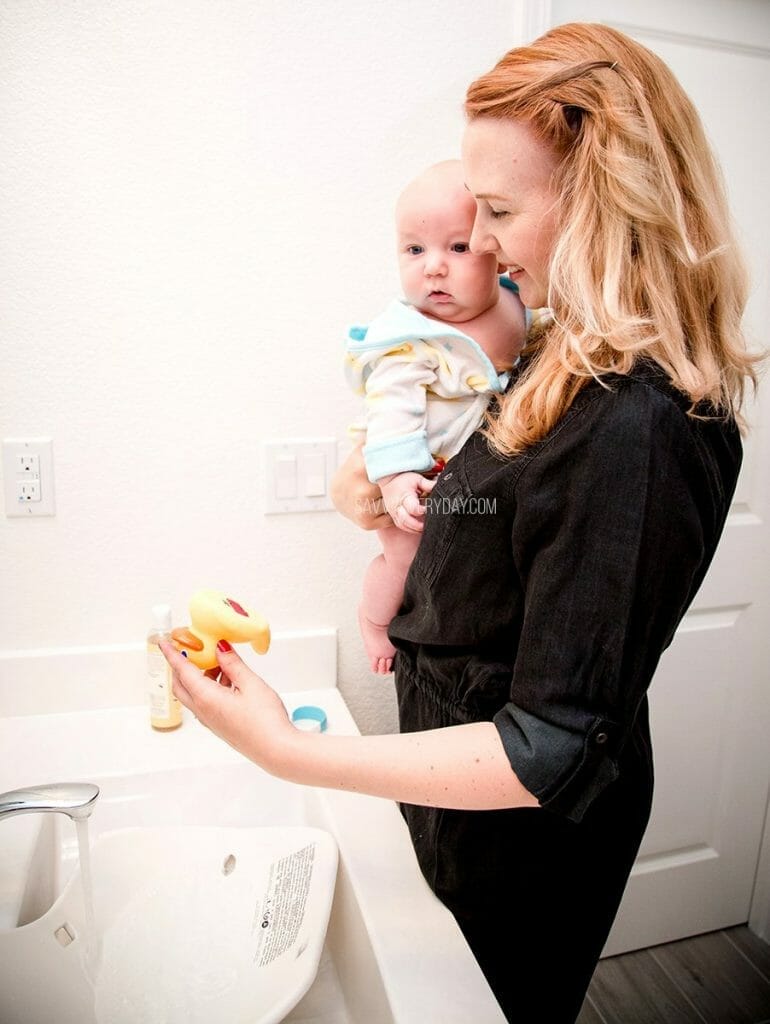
(28, 490)
(28, 477)
(28, 464)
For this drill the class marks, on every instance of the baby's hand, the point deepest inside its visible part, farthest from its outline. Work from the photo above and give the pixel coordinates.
(402, 493)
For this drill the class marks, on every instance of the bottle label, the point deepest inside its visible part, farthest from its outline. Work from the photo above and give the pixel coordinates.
(163, 704)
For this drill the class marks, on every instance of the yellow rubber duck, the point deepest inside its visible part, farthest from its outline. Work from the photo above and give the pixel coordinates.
(213, 617)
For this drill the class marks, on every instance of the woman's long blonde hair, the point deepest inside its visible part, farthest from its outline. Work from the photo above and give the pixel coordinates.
(646, 264)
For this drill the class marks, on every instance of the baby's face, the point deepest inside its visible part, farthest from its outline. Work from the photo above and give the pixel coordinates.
(439, 274)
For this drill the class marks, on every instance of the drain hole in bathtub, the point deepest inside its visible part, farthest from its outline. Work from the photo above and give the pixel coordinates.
(228, 865)
(64, 935)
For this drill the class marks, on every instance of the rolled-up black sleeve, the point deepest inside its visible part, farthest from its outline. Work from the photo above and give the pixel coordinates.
(608, 543)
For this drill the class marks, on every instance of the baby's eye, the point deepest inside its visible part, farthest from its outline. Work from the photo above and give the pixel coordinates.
(460, 247)
(496, 214)
(414, 250)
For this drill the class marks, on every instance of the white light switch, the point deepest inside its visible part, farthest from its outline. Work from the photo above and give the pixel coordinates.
(285, 476)
(314, 474)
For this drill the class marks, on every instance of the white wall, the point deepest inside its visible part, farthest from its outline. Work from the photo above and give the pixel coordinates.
(196, 198)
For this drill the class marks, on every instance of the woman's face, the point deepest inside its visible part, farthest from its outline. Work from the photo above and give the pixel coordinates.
(508, 171)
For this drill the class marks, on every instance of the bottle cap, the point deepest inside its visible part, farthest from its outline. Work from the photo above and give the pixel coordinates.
(161, 618)
(309, 718)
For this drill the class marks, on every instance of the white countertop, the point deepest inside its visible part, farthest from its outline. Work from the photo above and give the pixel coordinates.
(119, 741)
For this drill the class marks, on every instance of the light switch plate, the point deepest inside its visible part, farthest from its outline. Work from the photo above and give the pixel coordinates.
(297, 474)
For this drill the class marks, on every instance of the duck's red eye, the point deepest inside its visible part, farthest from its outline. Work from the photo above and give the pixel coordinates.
(236, 607)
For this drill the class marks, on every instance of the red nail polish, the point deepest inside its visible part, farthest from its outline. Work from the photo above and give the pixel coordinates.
(224, 646)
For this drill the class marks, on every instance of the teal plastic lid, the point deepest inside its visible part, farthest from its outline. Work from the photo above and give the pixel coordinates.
(310, 718)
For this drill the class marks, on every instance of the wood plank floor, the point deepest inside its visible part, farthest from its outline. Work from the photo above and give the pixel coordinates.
(717, 978)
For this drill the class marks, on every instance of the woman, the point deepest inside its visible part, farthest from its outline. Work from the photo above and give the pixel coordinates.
(564, 543)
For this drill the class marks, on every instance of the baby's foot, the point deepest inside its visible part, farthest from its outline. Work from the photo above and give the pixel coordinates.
(378, 646)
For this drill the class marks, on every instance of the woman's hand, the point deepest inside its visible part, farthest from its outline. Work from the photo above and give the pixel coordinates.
(403, 493)
(355, 497)
(369, 506)
(240, 707)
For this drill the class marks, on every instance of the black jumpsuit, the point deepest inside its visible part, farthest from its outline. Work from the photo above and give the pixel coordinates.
(545, 588)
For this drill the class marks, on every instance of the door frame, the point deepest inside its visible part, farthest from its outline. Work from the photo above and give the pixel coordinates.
(759, 914)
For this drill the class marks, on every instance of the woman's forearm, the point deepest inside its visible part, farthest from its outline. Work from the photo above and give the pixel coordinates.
(460, 767)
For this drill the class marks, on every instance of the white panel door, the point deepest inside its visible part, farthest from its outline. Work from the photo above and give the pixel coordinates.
(710, 698)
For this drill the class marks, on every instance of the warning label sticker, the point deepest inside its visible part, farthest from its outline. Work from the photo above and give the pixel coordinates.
(278, 917)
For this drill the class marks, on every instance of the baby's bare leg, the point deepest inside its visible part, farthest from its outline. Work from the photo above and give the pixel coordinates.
(383, 590)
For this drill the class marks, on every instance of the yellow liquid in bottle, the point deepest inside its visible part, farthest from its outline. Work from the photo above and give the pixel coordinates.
(165, 709)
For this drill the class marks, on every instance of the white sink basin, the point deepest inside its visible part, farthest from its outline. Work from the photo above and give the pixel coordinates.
(392, 953)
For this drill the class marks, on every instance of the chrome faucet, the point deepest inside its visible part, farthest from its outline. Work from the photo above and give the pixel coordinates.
(77, 799)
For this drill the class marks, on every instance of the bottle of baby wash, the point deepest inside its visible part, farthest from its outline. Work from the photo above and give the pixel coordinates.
(165, 709)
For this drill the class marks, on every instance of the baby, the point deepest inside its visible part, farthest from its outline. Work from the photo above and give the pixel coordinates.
(428, 366)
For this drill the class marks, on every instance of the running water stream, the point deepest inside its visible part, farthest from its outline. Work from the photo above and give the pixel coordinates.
(91, 946)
